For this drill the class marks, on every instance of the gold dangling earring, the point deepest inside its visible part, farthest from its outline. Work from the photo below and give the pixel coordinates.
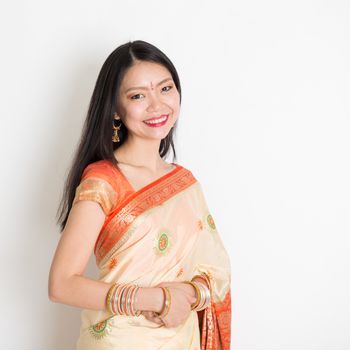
(115, 137)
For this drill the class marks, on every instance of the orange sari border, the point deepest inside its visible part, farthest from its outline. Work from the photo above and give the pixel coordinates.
(215, 321)
(115, 229)
(215, 325)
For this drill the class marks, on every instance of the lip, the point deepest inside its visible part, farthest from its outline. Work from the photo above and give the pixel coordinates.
(155, 125)
(161, 116)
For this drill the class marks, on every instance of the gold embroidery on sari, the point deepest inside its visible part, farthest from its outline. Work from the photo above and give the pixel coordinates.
(98, 190)
(121, 241)
(223, 312)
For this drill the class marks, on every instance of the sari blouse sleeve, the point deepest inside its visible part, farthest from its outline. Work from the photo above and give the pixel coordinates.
(97, 186)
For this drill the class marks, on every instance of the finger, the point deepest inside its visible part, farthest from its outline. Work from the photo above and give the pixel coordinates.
(147, 314)
(164, 322)
(154, 317)
(158, 320)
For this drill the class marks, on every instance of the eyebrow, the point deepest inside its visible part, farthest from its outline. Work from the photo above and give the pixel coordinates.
(145, 88)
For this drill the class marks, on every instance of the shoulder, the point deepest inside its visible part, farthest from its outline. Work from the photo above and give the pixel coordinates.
(186, 169)
(98, 167)
(103, 170)
(100, 182)
(187, 175)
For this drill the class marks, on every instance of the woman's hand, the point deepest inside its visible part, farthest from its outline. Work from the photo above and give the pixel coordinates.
(185, 287)
(182, 297)
(153, 317)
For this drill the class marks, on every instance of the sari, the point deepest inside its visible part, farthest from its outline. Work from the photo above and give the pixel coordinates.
(162, 232)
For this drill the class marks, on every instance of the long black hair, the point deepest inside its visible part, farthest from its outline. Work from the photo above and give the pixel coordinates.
(96, 139)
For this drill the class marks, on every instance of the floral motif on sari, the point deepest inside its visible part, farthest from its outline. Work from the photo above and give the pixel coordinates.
(112, 263)
(180, 272)
(200, 224)
(209, 222)
(163, 242)
(100, 330)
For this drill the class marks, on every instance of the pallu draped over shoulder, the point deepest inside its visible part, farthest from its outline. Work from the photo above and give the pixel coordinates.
(160, 233)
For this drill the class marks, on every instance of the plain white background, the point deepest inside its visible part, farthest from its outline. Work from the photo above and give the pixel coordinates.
(264, 126)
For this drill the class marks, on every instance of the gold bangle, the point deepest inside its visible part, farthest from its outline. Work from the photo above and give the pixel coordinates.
(134, 300)
(167, 302)
(198, 294)
(109, 297)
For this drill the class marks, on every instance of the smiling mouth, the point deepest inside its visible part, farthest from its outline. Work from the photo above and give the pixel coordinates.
(158, 121)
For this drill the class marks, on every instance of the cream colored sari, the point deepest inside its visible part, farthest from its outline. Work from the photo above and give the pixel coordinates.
(162, 232)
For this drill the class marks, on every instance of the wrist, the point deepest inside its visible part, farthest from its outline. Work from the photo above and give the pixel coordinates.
(150, 299)
(157, 299)
(190, 289)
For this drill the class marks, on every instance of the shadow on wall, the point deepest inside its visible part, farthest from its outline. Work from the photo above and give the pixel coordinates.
(69, 107)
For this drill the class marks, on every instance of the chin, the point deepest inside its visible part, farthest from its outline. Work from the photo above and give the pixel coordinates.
(161, 136)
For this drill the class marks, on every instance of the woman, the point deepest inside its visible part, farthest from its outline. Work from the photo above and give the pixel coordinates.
(164, 274)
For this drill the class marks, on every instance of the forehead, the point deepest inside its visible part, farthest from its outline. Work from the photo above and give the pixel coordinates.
(144, 74)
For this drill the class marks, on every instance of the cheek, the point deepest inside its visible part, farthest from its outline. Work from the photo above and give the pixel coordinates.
(174, 103)
(135, 111)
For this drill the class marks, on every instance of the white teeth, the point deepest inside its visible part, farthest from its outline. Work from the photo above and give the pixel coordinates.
(155, 121)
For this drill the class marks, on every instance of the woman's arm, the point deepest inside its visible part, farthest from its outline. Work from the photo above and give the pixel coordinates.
(66, 282)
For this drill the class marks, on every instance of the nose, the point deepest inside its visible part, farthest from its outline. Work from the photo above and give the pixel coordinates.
(154, 102)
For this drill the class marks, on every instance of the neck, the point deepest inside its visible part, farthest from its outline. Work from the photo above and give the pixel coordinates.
(140, 153)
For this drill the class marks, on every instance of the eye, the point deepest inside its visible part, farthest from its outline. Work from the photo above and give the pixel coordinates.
(169, 86)
(133, 97)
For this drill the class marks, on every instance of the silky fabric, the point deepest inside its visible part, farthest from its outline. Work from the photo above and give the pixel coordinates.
(160, 233)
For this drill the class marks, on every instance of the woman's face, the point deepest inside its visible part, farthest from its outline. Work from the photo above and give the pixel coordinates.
(146, 92)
